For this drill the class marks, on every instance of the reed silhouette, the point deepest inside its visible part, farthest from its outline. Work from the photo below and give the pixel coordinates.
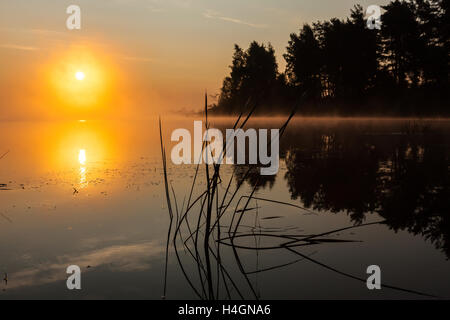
(214, 223)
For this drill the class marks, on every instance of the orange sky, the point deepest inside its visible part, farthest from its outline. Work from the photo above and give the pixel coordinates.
(142, 57)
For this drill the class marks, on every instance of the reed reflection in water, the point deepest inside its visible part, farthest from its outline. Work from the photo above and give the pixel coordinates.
(401, 176)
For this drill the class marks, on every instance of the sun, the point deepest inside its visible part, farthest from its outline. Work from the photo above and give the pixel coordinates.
(80, 79)
(79, 75)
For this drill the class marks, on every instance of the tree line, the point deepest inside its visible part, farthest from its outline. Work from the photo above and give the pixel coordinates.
(342, 67)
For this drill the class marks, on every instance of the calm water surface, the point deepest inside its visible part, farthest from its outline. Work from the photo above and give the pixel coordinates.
(91, 193)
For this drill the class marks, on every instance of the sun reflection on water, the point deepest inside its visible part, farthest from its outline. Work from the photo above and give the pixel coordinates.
(82, 157)
(82, 161)
(83, 180)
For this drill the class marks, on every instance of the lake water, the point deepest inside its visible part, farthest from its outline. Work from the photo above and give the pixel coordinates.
(91, 193)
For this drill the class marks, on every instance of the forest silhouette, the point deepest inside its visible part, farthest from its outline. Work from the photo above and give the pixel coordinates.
(342, 67)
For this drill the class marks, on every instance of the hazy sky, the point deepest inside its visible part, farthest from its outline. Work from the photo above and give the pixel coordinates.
(165, 53)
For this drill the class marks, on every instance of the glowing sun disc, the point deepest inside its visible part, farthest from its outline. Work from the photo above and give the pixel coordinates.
(79, 75)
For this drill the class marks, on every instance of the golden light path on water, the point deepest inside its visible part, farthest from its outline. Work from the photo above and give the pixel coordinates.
(82, 160)
(82, 156)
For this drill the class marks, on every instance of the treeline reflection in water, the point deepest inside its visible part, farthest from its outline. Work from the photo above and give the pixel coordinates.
(402, 175)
